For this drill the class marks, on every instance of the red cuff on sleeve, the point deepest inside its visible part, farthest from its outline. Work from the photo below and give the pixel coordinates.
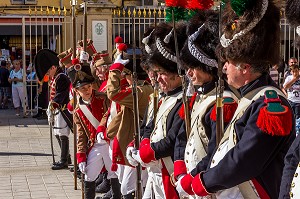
(186, 184)
(198, 186)
(147, 154)
(144, 142)
(81, 157)
(179, 168)
(117, 66)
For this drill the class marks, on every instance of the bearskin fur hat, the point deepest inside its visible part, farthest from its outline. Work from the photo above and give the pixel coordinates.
(292, 13)
(251, 35)
(203, 38)
(163, 48)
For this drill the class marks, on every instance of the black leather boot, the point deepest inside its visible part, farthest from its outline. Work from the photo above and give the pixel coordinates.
(63, 163)
(89, 190)
(129, 196)
(115, 188)
(104, 186)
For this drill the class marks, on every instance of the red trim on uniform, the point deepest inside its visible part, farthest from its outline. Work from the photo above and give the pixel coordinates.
(260, 190)
(186, 184)
(102, 87)
(116, 66)
(70, 106)
(179, 168)
(228, 112)
(144, 142)
(117, 155)
(198, 187)
(81, 157)
(181, 110)
(147, 153)
(121, 95)
(169, 189)
(275, 123)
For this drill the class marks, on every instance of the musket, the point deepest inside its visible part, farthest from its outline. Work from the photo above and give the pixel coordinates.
(187, 116)
(156, 88)
(84, 63)
(74, 2)
(138, 191)
(219, 93)
(51, 136)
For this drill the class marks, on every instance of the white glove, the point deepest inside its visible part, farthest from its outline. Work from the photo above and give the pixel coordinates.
(81, 167)
(120, 60)
(136, 155)
(100, 138)
(129, 157)
(179, 188)
(84, 56)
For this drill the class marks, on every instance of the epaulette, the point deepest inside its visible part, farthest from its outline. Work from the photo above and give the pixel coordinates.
(229, 107)
(274, 118)
(191, 103)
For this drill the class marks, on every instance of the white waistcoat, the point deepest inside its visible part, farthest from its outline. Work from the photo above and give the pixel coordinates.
(160, 128)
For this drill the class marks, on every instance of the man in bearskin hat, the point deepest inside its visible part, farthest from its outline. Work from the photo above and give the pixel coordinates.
(120, 132)
(157, 146)
(290, 183)
(248, 162)
(47, 62)
(92, 151)
(198, 56)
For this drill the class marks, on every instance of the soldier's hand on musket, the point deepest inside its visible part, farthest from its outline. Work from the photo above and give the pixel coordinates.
(131, 160)
(137, 157)
(184, 185)
(82, 166)
(121, 61)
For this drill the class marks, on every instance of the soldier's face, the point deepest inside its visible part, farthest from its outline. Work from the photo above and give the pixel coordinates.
(167, 81)
(51, 72)
(198, 77)
(235, 75)
(85, 91)
(101, 71)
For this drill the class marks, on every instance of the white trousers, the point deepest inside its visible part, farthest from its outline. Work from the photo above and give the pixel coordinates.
(60, 126)
(128, 183)
(18, 96)
(97, 158)
(154, 187)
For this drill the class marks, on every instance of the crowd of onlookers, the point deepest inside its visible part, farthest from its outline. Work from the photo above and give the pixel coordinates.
(12, 91)
(287, 76)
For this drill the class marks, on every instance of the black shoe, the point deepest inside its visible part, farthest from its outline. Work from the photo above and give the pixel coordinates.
(59, 165)
(69, 159)
(99, 179)
(103, 187)
(108, 195)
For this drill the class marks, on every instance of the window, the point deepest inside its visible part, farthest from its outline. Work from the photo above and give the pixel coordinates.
(17, 2)
(14, 2)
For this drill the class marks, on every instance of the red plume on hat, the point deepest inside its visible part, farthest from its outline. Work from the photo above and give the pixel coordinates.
(118, 39)
(122, 47)
(199, 4)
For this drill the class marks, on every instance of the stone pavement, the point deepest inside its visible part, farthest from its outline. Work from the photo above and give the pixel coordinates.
(25, 161)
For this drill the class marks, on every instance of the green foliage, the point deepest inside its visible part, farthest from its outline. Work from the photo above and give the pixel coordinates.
(179, 13)
(240, 6)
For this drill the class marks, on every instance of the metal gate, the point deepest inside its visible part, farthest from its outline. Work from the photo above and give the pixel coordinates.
(122, 22)
(49, 28)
